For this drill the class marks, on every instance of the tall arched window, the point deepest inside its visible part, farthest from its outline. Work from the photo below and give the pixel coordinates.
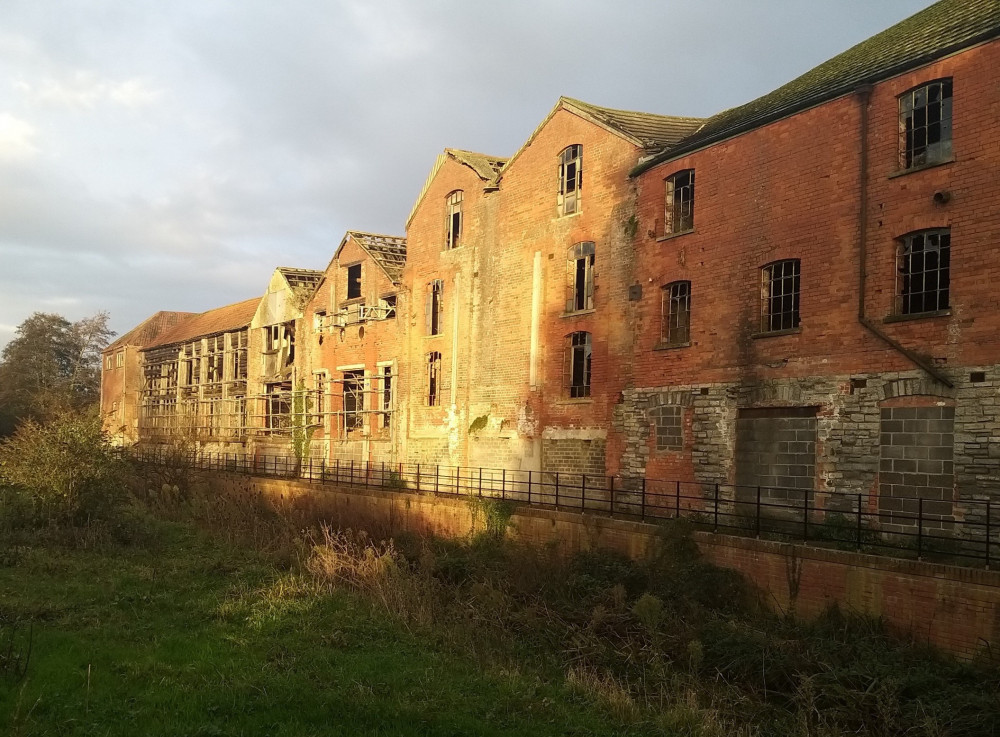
(580, 277)
(453, 238)
(578, 364)
(676, 320)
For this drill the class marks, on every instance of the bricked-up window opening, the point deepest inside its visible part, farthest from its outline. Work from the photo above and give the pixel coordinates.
(434, 307)
(386, 395)
(669, 432)
(578, 364)
(433, 379)
(923, 276)
(354, 281)
(676, 320)
(580, 278)
(570, 179)
(678, 215)
(925, 124)
(454, 224)
(780, 296)
(354, 399)
(389, 306)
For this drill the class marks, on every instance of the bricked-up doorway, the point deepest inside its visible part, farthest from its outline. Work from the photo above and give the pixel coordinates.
(776, 452)
(916, 461)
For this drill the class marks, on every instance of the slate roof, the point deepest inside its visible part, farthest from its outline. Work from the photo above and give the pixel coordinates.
(487, 167)
(941, 29)
(210, 322)
(651, 130)
(147, 330)
(388, 251)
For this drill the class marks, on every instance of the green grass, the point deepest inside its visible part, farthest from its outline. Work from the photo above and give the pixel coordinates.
(194, 637)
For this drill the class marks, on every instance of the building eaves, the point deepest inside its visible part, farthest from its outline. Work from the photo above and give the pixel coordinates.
(148, 330)
(210, 322)
(938, 31)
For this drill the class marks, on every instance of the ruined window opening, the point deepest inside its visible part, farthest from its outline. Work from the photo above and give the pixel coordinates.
(354, 399)
(580, 277)
(191, 364)
(570, 179)
(433, 378)
(107, 363)
(320, 386)
(238, 345)
(386, 395)
(578, 364)
(676, 313)
(923, 276)
(454, 224)
(119, 359)
(925, 124)
(272, 338)
(278, 405)
(678, 215)
(319, 320)
(434, 307)
(780, 296)
(354, 281)
(389, 307)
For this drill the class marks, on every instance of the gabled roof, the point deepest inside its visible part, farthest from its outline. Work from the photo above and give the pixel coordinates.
(388, 251)
(301, 279)
(940, 30)
(485, 166)
(147, 330)
(210, 322)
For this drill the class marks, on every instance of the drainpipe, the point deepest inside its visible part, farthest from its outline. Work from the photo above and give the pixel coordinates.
(864, 97)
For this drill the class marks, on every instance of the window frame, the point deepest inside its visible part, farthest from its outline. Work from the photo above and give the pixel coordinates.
(579, 364)
(775, 322)
(354, 290)
(353, 393)
(434, 308)
(675, 324)
(904, 295)
(570, 179)
(677, 199)
(580, 277)
(434, 379)
(454, 220)
(913, 156)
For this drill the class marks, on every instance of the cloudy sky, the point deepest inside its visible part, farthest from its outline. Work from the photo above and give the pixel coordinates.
(168, 155)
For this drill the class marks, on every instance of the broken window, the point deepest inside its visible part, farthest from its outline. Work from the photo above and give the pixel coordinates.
(319, 320)
(272, 338)
(923, 272)
(780, 296)
(279, 405)
(925, 124)
(386, 395)
(580, 277)
(433, 307)
(215, 358)
(389, 307)
(578, 364)
(238, 346)
(354, 281)
(354, 399)
(454, 224)
(570, 179)
(191, 364)
(678, 214)
(433, 378)
(320, 380)
(676, 315)
(119, 359)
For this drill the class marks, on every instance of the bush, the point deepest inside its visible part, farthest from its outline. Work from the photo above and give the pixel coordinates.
(61, 472)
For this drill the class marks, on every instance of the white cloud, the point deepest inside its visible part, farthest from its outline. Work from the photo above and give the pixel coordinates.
(16, 138)
(85, 90)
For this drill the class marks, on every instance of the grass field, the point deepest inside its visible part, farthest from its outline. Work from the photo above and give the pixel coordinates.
(194, 637)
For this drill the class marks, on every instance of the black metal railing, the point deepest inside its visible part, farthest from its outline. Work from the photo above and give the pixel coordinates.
(954, 531)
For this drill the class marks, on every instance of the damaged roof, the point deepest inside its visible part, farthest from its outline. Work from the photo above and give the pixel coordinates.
(299, 279)
(487, 167)
(148, 330)
(940, 30)
(210, 322)
(650, 130)
(388, 251)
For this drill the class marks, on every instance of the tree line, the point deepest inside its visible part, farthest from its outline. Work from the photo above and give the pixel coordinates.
(51, 366)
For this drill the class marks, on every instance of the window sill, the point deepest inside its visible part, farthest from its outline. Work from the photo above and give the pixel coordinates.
(430, 337)
(777, 333)
(579, 313)
(661, 346)
(671, 236)
(922, 167)
(452, 250)
(580, 400)
(917, 316)
(568, 215)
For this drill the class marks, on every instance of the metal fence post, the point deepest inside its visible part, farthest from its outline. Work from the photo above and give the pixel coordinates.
(351, 482)
(583, 491)
(859, 523)
(716, 508)
(642, 501)
(757, 520)
(529, 486)
(503, 484)
(987, 534)
(920, 528)
(480, 481)
(437, 478)
(805, 515)
(368, 470)
(612, 490)
(458, 479)
(677, 499)
(418, 477)
(557, 490)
